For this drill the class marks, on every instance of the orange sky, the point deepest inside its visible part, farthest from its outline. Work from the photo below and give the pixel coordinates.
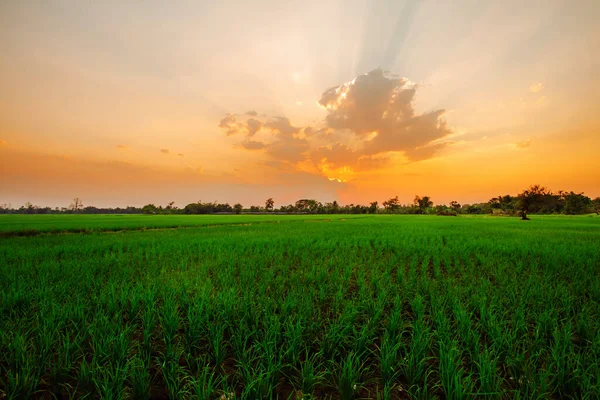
(128, 103)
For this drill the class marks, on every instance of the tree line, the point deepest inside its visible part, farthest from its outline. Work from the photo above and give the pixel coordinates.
(534, 200)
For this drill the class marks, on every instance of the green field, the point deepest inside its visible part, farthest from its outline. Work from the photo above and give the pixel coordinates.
(26, 225)
(259, 307)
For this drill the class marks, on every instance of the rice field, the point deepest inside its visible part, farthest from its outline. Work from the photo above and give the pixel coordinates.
(299, 307)
(29, 225)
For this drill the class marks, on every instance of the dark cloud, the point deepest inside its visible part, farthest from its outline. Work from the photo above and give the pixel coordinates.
(370, 102)
(229, 124)
(227, 121)
(376, 104)
(253, 125)
(165, 151)
(367, 119)
(179, 155)
(373, 162)
(251, 113)
(121, 147)
(339, 155)
(282, 126)
(253, 145)
(289, 148)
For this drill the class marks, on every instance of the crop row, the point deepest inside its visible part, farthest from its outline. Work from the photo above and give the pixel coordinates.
(346, 309)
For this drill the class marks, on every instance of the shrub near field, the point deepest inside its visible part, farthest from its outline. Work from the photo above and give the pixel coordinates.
(373, 307)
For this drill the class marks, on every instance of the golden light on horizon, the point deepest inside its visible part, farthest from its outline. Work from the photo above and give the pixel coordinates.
(341, 175)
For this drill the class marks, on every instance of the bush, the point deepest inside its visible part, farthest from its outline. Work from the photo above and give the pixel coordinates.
(447, 212)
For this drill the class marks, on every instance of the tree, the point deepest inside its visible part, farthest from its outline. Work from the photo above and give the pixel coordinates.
(471, 209)
(221, 208)
(529, 198)
(76, 205)
(149, 209)
(29, 208)
(445, 210)
(237, 208)
(392, 204)
(423, 202)
(596, 205)
(505, 204)
(576, 203)
(269, 204)
(308, 205)
(373, 207)
(455, 205)
(332, 208)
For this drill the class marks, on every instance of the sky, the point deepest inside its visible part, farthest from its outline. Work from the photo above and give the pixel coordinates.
(133, 102)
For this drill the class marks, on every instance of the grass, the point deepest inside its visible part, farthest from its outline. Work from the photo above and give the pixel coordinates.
(31, 225)
(289, 307)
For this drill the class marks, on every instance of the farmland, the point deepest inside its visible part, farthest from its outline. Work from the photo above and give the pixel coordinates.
(27, 225)
(258, 307)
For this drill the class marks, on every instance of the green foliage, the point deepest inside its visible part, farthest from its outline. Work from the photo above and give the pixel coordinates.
(423, 203)
(538, 200)
(392, 204)
(269, 203)
(382, 306)
(535, 199)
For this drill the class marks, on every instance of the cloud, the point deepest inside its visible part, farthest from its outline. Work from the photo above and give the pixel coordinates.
(368, 102)
(121, 147)
(253, 145)
(179, 155)
(368, 120)
(253, 125)
(165, 151)
(230, 124)
(371, 163)
(284, 145)
(251, 113)
(380, 105)
(536, 87)
(339, 155)
(523, 144)
(282, 126)
(289, 149)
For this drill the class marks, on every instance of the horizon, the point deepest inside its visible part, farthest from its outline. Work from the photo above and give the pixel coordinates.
(380, 204)
(127, 104)
(176, 205)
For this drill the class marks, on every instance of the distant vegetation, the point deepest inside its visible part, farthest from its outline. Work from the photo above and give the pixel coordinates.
(533, 200)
